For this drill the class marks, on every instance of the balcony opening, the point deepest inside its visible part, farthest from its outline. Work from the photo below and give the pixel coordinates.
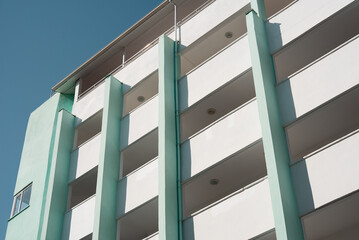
(224, 178)
(139, 153)
(336, 220)
(213, 41)
(140, 93)
(217, 104)
(317, 42)
(331, 121)
(274, 6)
(88, 129)
(82, 188)
(143, 219)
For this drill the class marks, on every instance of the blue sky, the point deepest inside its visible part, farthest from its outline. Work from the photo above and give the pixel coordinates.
(41, 42)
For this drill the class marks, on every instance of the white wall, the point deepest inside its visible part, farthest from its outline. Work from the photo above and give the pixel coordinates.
(78, 222)
(299, 18)
(242, 216)
(214, 73)
(230, 134)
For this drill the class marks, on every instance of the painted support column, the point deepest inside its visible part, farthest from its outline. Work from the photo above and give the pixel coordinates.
(56, 198)
(286, 218)
(105, 226)
(169, 182)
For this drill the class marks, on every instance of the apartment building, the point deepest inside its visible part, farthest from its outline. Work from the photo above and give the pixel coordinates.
(217, 119)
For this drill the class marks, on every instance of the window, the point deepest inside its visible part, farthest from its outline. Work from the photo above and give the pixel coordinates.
(21, 200)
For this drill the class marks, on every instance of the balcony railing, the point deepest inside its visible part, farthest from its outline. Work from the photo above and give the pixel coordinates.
(327, 174)
(231, 133)
(319, 82)
(85, 158)
(245, 214)
(298, 18)
(138, 187)
(214, 73)
(139, 122)
(78, 222)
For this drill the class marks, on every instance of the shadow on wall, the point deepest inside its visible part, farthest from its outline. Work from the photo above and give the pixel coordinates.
(302, 187)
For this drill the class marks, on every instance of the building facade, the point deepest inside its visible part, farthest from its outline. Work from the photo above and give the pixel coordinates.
(219, 119)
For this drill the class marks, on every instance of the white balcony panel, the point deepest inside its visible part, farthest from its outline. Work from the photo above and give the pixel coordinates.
(85, 158)
(327, 175)
(325, 79)
(214, 73)
(140, 122)
(208, 18)
(138, 187)
(242, 216)
(78, 222)
(224, 138)
(139, 68)
(90, 103)
(299, 18)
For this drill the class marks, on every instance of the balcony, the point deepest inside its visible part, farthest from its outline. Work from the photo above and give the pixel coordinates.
(327, 174)
(132, 74)
(139, 122)
(210, 17)
(242, 215)
(78, 222)
(323, 125)
(90, 103)
(338, 220)
(214, 73)
(298, 18)
(231, 133)
(332, 75)
(85, 158)
(138, 187)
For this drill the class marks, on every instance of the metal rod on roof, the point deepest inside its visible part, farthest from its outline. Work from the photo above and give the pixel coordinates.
(175, 18)
(123, 56)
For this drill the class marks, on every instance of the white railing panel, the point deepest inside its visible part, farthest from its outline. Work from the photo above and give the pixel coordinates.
(299, 18)
(139, 68)
(85, 158)
(327, 175)
(320, 82)
(90, 103)
(139, 122)
(78, 222)
(138, 187)
(214, 73)
(242, 216)
(208, 18)
(230, 134)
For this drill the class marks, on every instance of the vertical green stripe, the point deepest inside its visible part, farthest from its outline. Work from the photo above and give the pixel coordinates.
(56, 198)
(105, 225)
(167, 146)
(287, 222)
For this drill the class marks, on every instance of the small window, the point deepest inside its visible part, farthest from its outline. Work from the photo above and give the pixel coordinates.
(21, 201)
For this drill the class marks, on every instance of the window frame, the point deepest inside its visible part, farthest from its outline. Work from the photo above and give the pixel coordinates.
(19, 194)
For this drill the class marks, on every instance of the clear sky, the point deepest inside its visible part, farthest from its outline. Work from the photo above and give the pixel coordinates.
(41, 42)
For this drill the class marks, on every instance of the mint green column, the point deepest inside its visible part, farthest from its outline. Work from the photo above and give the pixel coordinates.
(56, 198)
(109, 162)
(35, 167)
(168, 154)
(287, 221)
